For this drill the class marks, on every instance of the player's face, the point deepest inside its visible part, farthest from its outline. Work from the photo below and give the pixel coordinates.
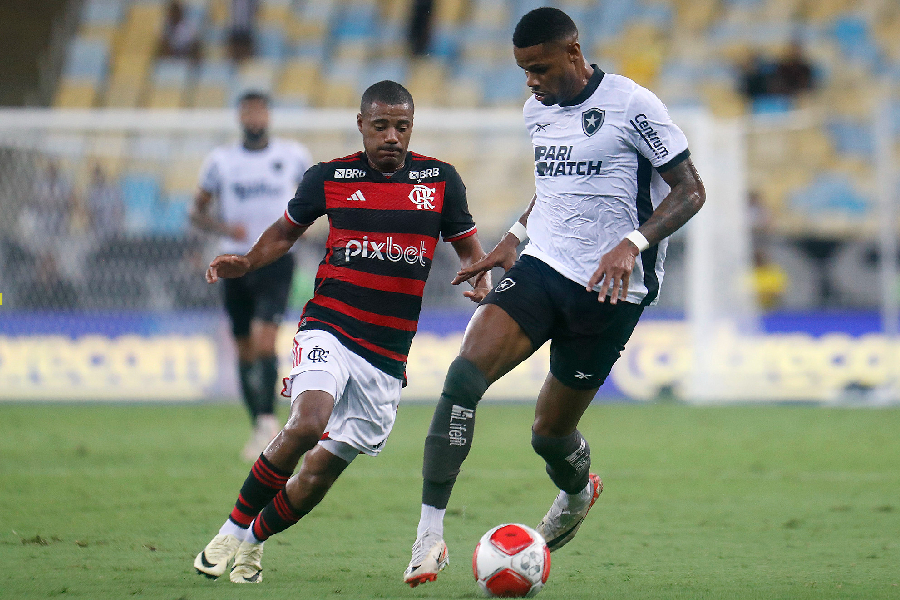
(551, 70)
(386, 129)
(254, 117)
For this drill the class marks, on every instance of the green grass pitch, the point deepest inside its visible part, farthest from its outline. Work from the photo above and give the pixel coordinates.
(114, 501)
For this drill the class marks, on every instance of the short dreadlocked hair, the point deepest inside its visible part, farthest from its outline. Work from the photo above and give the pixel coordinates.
(545, 24)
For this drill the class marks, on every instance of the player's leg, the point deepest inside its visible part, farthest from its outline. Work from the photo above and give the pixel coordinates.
(361, 421)
(271, 288)
(581, 357)
(314, 385)
(506, 329)
(271, 471)
(320, 469)
(239, 305)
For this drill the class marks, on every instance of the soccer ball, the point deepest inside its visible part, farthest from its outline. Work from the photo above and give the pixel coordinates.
(511, 561)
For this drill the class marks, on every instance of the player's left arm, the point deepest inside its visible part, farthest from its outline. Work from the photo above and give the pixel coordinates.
(470, 251)
(685, 198)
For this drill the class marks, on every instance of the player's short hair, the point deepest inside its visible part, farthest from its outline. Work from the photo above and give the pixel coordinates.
(251, 95)
(545, 24)
(387, 92)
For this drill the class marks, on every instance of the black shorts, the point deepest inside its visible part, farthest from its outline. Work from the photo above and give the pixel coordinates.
(261, 294)
(587, 336)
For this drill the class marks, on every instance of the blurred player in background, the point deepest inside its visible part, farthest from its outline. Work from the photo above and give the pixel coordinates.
(613, 180)
(252, 181)
(386, 208)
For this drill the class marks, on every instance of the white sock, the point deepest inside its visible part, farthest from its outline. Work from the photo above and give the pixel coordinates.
(577, 502)
(432, 519)
(249, 537)
(231, 528)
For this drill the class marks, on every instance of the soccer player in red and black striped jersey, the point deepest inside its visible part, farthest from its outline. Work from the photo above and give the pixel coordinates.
(386, 209)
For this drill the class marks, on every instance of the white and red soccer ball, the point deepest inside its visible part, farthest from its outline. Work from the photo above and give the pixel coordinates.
(511, 561)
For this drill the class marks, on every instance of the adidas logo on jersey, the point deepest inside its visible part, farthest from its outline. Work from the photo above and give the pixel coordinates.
(349, 173)
(356, 197)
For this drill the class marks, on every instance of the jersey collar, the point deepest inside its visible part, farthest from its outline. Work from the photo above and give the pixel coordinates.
(378, 175)
(591, 87)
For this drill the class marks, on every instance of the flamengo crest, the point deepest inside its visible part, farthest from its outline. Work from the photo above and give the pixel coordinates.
(591, 120)
(421, 196)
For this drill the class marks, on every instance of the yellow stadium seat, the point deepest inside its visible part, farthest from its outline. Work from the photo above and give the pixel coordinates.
(75, 94)
(450, 12)
(209, 96)
(165, 97)
(298, 80)
(427, 82)
(336, 94)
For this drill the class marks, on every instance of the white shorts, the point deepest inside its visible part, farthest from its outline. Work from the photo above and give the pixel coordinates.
(365, 398)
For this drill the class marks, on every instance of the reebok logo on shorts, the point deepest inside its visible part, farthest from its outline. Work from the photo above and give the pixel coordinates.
(505, 284)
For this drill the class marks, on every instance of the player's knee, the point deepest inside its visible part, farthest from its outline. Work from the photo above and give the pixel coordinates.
(464, 384)
(303, 434)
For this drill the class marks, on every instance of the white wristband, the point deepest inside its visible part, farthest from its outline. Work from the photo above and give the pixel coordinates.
(637, 238)
(519, 231)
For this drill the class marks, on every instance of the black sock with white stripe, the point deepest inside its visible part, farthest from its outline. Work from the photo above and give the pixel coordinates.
(568, 459)
(452, 429)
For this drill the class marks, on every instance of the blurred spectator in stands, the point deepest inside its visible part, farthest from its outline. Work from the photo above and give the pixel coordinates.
(755, 76)
(793, 73)
(770, 281)
(241, 44)
(420, 20)
(787, 77)
(47, 288)
(104, 205)
(47, 216)
(180, 36)
(768, 278)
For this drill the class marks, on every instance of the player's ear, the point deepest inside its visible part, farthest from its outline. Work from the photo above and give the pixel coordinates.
(359, 121)
(573, 49)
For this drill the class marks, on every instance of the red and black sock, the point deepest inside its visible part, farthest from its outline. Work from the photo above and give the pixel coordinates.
(277, 516)
(262, 484)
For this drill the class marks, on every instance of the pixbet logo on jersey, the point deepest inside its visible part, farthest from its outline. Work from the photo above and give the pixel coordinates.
(386, 250)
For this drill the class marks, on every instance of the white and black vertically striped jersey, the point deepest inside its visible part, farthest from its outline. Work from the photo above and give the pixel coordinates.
(597, 160)
(253, 187)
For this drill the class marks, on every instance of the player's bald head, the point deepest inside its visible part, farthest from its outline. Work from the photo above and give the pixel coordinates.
(543, 25)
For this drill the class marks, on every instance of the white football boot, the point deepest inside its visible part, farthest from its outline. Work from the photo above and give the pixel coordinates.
(429, 557)
(213, 560)
(567, 513)
(247, 564)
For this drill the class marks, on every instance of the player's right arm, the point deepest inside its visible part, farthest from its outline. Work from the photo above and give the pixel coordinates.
(202, 219)
(274, 243)
(503, 254)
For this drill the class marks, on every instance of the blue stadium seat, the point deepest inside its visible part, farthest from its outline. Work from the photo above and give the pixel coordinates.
(851, 138)
(216, 72)
(830, 192)
(270, 43)
(171, 72)
(140, 194)
(852, 36)
(357, 21)
(172, 216)
(771, 104)
(87, 60)
(102, 12)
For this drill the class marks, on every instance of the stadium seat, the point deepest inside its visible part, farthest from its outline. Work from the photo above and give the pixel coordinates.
(75, 94)
(140, 194)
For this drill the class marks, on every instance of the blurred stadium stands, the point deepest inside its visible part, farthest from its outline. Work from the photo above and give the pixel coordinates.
(809, 155)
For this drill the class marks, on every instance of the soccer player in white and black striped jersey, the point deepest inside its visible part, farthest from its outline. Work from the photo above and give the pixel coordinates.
(613, 179)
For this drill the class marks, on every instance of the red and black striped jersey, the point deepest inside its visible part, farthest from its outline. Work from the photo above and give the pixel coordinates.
(381, 240)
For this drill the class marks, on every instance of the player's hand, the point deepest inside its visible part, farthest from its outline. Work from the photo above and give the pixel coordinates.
(480, 288)
(503, 255)
(615, 272)
(227, 266)
(238, 232)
